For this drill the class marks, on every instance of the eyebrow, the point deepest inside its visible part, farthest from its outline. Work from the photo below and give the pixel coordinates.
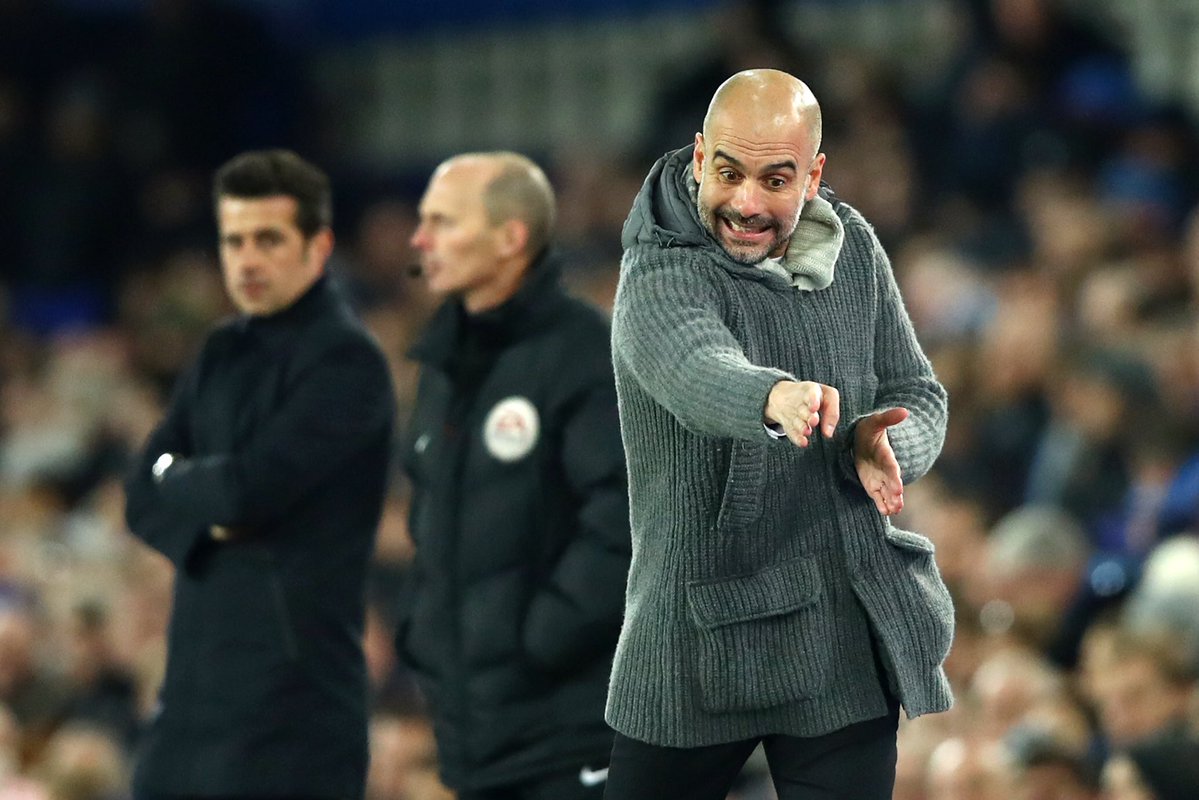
(775, 167)
(253, 233)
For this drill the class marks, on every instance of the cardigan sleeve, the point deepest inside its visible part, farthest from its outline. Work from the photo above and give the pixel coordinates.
(905, 378)
(668, 329)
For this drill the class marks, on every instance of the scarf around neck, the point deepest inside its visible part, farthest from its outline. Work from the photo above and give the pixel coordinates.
(813, 249)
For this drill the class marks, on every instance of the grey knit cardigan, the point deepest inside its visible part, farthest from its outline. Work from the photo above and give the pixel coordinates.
(765, 589)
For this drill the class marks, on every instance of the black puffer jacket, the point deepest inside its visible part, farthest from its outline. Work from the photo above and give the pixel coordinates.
(520, 517)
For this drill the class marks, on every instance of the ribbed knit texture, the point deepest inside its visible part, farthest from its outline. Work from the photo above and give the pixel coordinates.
(814, 246)
(758, 571)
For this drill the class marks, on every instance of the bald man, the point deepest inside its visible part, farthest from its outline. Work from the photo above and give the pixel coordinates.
(519, 507)
(773, 402)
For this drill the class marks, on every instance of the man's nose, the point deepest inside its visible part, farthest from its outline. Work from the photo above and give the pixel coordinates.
(245, 258)
(748, 200)
(420, 238)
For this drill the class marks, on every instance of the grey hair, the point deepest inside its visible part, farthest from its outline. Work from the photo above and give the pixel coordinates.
(1036, 535)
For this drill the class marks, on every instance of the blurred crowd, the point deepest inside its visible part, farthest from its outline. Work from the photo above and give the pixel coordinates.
(1042, 215)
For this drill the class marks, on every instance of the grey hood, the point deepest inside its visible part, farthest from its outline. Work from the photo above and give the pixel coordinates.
(664, 214)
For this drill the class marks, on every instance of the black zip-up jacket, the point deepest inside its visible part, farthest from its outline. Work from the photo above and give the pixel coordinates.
(520, 517)
(285, 427)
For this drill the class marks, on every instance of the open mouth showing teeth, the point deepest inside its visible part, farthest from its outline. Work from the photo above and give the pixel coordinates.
(746, 230)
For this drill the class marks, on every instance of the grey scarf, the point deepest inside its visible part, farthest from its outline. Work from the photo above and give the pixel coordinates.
(813, 249)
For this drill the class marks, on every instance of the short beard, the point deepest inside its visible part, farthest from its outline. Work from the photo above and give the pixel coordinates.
(708, 218)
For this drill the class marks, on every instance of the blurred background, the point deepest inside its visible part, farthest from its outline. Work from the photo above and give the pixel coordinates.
(1031, 166)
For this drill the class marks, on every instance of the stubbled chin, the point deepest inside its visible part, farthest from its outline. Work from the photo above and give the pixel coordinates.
(434, 285)
(752, 247)
(254, 306)
(743, 252)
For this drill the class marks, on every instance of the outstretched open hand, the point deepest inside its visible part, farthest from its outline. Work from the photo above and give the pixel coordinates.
(878, 469)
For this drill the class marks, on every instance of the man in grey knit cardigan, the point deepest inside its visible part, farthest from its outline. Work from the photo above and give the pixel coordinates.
(773, 401)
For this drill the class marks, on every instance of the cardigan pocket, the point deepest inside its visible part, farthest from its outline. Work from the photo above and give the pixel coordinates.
(763, 639)
(918, 586)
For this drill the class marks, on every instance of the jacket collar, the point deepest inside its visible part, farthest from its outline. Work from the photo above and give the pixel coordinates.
(522, 314)
(320, 297)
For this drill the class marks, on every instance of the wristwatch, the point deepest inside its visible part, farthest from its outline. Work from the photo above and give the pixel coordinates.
(160, 466)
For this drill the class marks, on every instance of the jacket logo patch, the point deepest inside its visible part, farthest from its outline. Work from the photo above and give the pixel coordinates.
(511, 428)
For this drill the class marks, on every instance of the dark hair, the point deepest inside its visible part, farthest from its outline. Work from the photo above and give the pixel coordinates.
(1032, 747)
(269, 173)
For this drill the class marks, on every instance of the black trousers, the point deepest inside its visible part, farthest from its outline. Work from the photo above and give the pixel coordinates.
(854, 763)
(585, 783)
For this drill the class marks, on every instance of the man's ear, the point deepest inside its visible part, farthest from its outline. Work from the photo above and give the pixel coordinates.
(321, 246)
(814, 174)
(512, 237)
(697, 161)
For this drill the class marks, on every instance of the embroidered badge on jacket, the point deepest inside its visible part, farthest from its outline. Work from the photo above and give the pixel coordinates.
(511, 428)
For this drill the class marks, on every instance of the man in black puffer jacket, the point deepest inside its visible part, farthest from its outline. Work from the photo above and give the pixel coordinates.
(520, 514)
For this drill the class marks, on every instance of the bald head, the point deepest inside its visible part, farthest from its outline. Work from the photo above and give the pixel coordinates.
(766, 105)
(513, 188)
(757, 163)
(485, 218)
